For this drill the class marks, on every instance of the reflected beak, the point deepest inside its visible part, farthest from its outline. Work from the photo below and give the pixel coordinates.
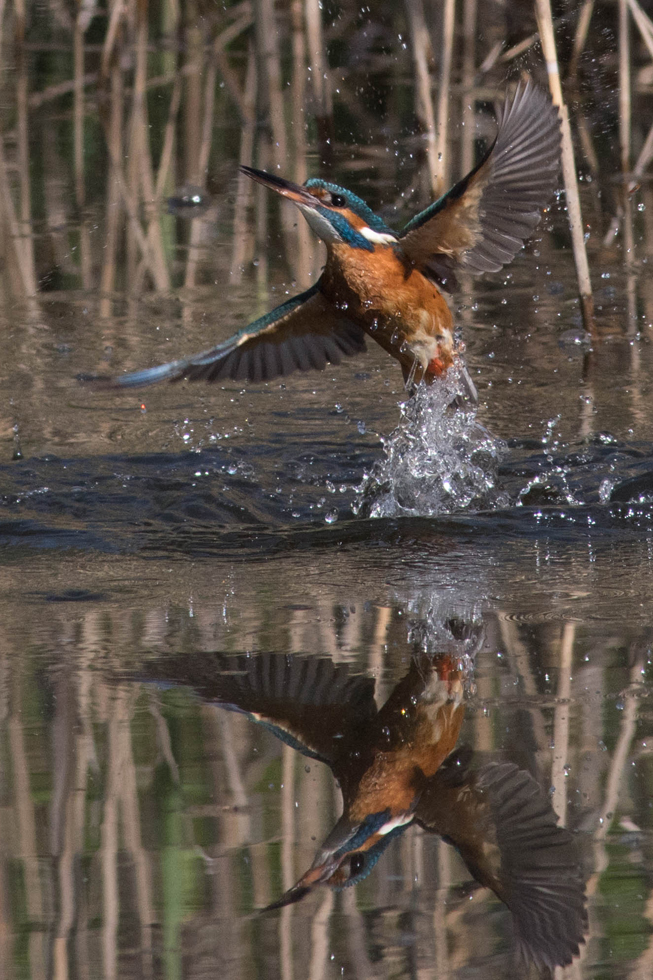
(314, 876)
(294, 192)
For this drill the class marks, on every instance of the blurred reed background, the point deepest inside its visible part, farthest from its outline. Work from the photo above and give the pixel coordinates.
(107, 110)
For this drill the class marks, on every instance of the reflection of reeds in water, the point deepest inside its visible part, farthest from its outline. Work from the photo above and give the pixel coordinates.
(164, 816)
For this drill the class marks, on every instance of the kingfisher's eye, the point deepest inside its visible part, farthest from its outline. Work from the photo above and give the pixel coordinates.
(356, 864)
(337, 201)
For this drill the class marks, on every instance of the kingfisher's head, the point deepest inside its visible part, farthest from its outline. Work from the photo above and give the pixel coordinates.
(333, 212)
(348, 854)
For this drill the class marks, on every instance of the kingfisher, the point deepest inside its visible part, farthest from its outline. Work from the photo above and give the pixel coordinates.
(398, 765)
(389, 285)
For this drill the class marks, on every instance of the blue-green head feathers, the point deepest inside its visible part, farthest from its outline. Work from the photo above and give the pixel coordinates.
(351, 201)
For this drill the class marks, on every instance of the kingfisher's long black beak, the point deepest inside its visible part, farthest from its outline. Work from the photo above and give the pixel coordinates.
(294, 192)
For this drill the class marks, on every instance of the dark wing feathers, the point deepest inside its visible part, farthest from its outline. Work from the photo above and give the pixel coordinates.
(506, 831)
(303, 334)
(483, 221)
(307, 702)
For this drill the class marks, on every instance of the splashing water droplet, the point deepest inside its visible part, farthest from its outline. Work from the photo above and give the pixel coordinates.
(437, 460)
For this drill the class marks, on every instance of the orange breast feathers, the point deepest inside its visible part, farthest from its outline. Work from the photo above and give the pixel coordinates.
(394, 303)
(396, 777)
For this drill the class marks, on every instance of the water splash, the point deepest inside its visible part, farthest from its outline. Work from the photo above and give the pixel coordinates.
(439, 459)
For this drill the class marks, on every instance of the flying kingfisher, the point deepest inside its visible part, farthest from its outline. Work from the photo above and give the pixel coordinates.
(388, 285)
(398, 765)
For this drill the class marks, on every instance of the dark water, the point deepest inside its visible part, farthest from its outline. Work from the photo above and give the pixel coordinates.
(143, 827)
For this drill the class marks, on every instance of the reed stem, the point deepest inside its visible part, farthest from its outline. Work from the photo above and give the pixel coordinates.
(421, 45)
(446, 59)
(545, 20)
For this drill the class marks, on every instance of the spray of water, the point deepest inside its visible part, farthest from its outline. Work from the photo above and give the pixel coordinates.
(439, 459)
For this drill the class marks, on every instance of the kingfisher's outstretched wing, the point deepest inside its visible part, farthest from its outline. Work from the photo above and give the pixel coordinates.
(310, 703)
(306, 332)
(483, 221)
(506, 831)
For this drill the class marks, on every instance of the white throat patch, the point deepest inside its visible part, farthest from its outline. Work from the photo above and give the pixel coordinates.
(379, 238)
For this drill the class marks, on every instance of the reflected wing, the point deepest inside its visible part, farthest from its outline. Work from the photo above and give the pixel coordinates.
(304, 333)
(484, 220)
(309, 703)
(505, 830)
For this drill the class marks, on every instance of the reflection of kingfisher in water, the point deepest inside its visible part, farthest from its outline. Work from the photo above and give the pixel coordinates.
(385, 284)
(396, 765)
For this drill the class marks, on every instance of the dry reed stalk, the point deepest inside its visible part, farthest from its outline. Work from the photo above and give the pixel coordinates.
(129, 203)
(244, 102)
(118, 10)
(261, 222)
(468, 73)
(580, 37)
(442, 124)
(168, 140)
(78, 112)
(229, 76)
(320, 83)
(140, 148)
(587, 145)
(421, 45)
(51, 92)
(198, 224)
(303, 264)
(517, 49)
(545, 20)
(192, 114)
(19, 23)
(270, 76)
(78, 145)
(242, 241)
(24, 273)
(644, 24)
(113, 209)
(491, 58)
(643, 160)
(164, 167)
(625, 108)
(270, 96)
(25, 243)
(625, 136)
